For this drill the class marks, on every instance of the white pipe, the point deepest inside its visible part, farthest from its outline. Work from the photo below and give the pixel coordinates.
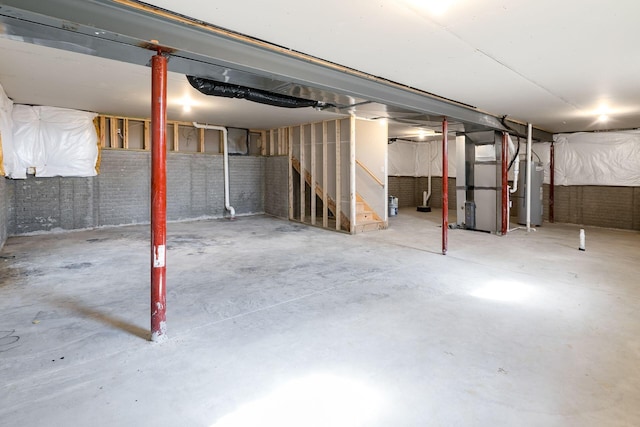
(529, 164)
(225, 153)
(516, 174)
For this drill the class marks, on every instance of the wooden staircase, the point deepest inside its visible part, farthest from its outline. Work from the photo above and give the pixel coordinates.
(366, 218)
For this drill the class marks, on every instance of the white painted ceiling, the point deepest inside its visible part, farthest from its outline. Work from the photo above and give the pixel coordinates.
(44, 76)
(553, 63)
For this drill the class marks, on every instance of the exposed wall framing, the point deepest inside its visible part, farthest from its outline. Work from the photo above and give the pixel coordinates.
(127, 133)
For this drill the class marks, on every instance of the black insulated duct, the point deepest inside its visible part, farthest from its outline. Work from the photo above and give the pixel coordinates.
(226, 90)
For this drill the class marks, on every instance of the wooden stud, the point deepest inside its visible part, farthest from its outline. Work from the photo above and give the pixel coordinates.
(352, 174)
(303, 184)
(176, 137)
(285, 140)
(103, 131)
(290, 135)
(313, 174)
(113, 132)
(263, 143)
(271, 141)
(146, 138)
(201, 140)
(325, 181)
(125, 133)
(338, 173)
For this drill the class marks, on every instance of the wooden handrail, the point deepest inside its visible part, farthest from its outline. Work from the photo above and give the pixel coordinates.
(366, 169)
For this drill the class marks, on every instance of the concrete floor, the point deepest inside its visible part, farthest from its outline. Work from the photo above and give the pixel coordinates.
(273, 323)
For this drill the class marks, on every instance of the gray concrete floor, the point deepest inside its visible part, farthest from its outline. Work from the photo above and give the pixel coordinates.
(273, 323)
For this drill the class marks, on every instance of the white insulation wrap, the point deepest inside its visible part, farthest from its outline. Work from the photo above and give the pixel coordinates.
(412, 158)
(55, 141)
(6, 133)
(603, 158)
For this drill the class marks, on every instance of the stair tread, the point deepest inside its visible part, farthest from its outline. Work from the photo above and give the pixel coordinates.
(373, 221)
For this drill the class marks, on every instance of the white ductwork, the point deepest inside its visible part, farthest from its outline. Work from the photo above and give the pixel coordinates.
(227, 206)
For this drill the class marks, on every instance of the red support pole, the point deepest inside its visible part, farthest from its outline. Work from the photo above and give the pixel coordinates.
(445, 186)
(158, 196)
(505, 184)
(552, 173)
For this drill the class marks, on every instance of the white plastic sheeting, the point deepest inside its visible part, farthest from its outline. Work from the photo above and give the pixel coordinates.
(412, 158)
(603, 158)
(6, 132)
(54, 141)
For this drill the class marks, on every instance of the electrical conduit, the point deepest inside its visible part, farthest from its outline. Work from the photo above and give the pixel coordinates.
(227, 206)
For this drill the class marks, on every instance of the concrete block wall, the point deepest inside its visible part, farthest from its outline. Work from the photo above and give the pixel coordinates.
(49, 203)
(276, 197)
(408, 190)
(404, 188)
(247, 183)
(122, 188)
(4, 211)
(614, 207)
(120, 194)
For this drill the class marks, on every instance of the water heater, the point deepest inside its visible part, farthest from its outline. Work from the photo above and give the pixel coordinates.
(537, 178)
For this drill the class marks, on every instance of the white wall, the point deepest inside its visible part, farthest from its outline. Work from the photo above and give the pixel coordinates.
(371, 150)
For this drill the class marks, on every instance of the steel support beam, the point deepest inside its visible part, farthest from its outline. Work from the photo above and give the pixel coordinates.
(158, 196)
(121, 30)
(445, 186)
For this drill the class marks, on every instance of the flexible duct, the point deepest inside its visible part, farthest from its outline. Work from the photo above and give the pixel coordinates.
(226, 90)
(227, 206)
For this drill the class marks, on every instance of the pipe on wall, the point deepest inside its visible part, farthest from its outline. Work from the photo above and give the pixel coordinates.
(445, 186)
(227, 206)
(426, 197)
(158, 196)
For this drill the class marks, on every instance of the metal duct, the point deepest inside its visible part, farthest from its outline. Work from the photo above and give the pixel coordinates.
(226, 90)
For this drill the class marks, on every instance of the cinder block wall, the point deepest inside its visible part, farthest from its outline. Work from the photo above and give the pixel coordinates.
(616, 207)
(120, 194)
(4, 211)
(404, 188)
(408, 190)
(276, 196)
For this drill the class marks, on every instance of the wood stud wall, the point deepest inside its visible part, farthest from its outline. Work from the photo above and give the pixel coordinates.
(338, 184)
(114, 133)
(325, 177)
(309, 176)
